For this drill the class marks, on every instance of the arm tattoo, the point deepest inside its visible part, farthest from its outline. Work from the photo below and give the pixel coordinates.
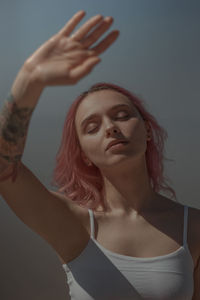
(14, 122)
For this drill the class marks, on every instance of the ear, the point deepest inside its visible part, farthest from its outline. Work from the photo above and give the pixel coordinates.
(148, 129)
(147, 125)
(84, 157)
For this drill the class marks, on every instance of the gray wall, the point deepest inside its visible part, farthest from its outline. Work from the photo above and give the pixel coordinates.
(156, 56)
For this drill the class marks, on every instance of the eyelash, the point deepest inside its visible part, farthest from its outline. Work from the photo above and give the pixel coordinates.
(127, 115)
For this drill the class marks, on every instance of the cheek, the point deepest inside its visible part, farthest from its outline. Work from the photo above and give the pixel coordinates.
(90, 146)
(137, 130)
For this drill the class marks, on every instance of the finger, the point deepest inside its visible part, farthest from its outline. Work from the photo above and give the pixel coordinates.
(85, 28)
(97, 33)
(107, 42)
(84, 69)
(72, 23)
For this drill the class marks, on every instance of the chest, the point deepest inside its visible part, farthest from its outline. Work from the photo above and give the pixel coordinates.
(144, 237)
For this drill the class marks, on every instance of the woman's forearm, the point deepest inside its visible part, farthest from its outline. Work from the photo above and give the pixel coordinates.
(14, 121)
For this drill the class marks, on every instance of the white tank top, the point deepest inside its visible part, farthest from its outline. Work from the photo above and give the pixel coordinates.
(100, 274)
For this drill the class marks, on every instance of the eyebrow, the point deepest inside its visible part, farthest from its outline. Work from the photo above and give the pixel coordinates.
(94, 115)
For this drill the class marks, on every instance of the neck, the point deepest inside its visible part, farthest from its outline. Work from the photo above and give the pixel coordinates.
(128, 189)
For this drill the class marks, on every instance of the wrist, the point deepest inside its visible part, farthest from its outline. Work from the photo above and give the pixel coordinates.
(27, 87)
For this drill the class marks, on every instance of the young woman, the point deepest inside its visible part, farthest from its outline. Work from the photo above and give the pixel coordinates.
(116, 236)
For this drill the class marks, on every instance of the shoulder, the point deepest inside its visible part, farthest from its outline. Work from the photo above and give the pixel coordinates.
(193, 226)
(194, 217)
(193, 229)
(193, 221)
(194, 214)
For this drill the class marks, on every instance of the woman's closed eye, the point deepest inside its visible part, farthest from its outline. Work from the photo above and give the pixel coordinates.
(116, 118)
(123, 116)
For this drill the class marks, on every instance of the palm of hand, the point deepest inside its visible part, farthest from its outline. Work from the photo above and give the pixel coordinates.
(65, 59)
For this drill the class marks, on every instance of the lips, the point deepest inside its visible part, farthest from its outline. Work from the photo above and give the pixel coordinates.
(114, 142)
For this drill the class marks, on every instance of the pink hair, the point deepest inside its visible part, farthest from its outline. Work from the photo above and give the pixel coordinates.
(84, 184)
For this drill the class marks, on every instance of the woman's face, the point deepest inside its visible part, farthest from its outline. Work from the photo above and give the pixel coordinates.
(104, 116)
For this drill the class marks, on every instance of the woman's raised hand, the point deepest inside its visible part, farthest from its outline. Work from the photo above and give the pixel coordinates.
(66, 58)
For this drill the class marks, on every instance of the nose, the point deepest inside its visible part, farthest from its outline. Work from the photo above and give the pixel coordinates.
(112, 130)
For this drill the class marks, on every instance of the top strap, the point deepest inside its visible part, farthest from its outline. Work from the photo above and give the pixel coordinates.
(91, 223)
(185, 225)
